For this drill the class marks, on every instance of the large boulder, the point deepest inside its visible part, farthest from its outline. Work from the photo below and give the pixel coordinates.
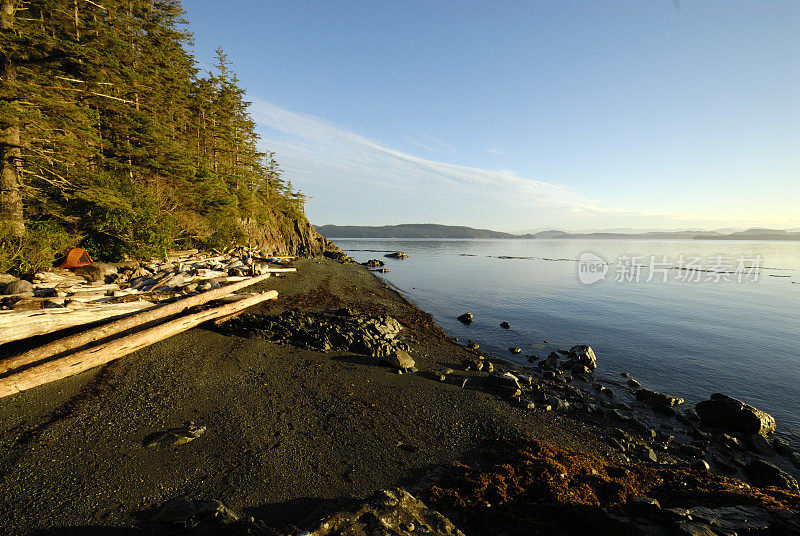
(727, 412)
(581, 356)
(19, 286)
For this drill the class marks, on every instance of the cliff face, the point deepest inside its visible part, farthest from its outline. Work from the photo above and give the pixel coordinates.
(286, 235)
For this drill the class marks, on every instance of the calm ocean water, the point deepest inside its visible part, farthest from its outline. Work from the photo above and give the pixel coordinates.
(684, 337)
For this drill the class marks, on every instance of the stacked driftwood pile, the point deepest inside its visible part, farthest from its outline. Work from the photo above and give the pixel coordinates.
(147, 302)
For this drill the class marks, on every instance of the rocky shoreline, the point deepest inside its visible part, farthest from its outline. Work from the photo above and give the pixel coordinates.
(349, 403)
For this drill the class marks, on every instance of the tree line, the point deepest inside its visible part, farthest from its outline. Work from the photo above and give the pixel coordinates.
(111, 138)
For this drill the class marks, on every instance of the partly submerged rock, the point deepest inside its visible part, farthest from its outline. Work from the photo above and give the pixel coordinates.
(373, 263)
(466, 318)
(396, 255)
(581, 355)
(505, 325)
(727, 412)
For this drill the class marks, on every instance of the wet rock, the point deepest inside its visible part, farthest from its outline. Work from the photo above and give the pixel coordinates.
(633, 383)
(781, 447)
(472, 345)
(505, 325)
(730, 442)
(401, 359)
(727, 412)
(18, 286)
(763, 473)
(759, 445)
(175, 436)
(515, 350)
(466, 318)
(393, 511)
(795, 459)
(658, 401)
(729, 520)
(581, 355)
(397, 255)
(373, 263)
(692, 451)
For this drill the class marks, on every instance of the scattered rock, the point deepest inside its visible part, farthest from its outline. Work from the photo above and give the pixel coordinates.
(472, 345)
(515, 350)
(727, 412)
(658, 401)
(397, 255)
(18, 286)
(505, 325)
(91, 272)
(373, 263)
(466, 318)
(763, 473)
(401, 359)
(175, 436)
(633, 383)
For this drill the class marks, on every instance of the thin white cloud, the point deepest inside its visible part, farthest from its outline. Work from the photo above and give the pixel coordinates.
(307, 144)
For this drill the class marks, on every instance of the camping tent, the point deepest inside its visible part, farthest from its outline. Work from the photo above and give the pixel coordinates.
(76, 257)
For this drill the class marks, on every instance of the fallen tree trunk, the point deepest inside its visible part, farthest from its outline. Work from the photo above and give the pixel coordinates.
(96, 334)
(17, 325)
(103, 353)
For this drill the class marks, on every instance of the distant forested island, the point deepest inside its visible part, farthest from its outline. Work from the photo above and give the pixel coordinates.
(431, 230)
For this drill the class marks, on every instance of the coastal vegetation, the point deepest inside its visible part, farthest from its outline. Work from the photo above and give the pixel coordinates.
(112, 139)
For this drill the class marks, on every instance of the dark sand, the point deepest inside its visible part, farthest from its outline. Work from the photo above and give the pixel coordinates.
(289, 431)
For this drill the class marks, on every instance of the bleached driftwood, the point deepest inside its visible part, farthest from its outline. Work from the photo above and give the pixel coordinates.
(99, 333)
(101, 354)
(16, 325)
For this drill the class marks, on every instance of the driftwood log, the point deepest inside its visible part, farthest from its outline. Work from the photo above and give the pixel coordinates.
(118, 326)
(101, 354)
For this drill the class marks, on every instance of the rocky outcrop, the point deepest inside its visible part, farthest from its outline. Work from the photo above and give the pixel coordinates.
(394, 512)
(340, 330)
(283, 234)
(727, 412)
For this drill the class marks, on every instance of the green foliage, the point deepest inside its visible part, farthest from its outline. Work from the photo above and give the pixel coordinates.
(42, 244)
(124, 143)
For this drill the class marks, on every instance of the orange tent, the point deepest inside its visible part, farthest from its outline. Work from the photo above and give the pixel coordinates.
(76, 257)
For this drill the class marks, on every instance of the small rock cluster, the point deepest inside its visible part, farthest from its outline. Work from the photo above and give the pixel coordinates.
(341, 330)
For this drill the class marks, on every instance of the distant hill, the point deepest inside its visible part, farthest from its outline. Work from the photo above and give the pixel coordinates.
(408, 230)
(432, 230)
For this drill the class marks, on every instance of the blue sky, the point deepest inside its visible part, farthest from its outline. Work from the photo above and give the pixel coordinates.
(524, 115)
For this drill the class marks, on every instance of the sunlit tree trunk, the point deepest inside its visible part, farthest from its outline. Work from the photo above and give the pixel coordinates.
(11, 220)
